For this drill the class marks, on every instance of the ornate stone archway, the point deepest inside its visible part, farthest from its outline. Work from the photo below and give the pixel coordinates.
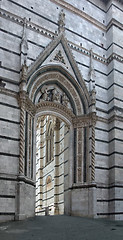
(34, 101)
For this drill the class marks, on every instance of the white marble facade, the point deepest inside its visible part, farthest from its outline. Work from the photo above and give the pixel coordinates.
(61, 108)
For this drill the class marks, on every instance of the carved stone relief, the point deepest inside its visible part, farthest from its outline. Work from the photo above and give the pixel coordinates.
(54, 94)
(59, 58)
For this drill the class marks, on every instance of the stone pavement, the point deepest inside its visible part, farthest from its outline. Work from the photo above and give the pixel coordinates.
(62, 228)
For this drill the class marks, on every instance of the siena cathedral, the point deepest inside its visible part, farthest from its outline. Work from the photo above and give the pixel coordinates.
(61, 108)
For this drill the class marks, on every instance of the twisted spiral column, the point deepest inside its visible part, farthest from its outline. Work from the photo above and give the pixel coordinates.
(21, 161)
(93, 155)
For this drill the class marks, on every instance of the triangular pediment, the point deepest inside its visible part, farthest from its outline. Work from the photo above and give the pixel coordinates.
(57, 53)
(59, 56)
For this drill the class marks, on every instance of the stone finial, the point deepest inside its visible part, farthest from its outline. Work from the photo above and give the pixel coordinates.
(24, 43)
(61, 22)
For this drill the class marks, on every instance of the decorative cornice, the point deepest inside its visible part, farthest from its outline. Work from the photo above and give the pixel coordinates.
(87, 17)
(102, 119)
(22, 178)
(85, 120)
(96, 57)
(51, 35)
(115, 23)
(87, 52)
(30, 25)
(8, 92)
(80, 13)
(115, 56)
(111, 119)
(115, 118)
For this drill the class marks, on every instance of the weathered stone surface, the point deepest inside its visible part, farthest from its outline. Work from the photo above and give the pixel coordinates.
(79, 54)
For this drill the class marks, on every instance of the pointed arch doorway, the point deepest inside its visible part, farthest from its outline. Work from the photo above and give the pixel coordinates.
(53, 94)
(53, 150)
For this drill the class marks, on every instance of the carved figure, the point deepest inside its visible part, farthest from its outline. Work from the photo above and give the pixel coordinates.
(56, 96)
(45, 95)
(65, 100)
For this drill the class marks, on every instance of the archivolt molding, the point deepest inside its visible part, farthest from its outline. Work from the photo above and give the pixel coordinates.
(65, 84)
(54, 108)
(83, 120)
(46, 53)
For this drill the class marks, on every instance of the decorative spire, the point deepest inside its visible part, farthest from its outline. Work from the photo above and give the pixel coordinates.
(61, 22)
(24, 44)
(91, 72)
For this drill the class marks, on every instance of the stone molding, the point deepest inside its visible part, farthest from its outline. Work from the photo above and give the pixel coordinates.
(114, 22)
(96, 57)
(54, 107)
(84, 15)
(36, 69)
(47, 51)
(52, 35)
(64, 82)
(77, 121)
(115, 56)
(26, 103)
(80, 13)
(46, 107)
(84, 120)
(8, 92)
(23, 178)
(30, 25)
(111, 119)
(83, 185)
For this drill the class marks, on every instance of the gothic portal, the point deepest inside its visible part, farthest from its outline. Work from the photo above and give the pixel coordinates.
(61, 108)
(58, 124)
